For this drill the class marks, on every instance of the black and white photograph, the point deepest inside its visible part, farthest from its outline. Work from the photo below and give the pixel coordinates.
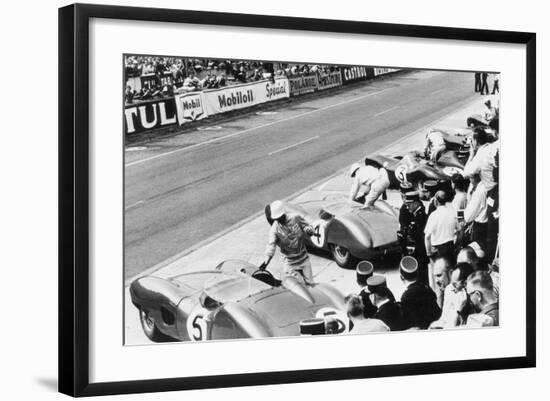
(273, 198)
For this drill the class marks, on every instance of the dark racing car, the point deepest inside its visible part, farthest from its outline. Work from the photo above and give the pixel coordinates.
(233, 300)
(414, 168)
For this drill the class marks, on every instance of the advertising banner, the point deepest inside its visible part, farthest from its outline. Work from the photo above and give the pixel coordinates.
(330, 81)
(382, 71)
(190, 107)
(356, 73)
(303, 84)
(240, 96)
(149, 115)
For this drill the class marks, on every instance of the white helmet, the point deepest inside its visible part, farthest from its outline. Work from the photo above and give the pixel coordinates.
(277, 209)
(354, 167)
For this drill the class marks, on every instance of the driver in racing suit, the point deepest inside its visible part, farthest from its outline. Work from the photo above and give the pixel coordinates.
(287, 232)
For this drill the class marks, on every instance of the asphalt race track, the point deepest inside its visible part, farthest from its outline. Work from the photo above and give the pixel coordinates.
(183, 190)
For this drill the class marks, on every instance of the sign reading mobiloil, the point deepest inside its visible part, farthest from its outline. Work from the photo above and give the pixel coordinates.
(245, 95)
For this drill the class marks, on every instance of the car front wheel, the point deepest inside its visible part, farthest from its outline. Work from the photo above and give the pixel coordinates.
(343, 257)
(150, 328)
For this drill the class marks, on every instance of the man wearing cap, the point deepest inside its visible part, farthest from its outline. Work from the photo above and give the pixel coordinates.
(429, 188)
(418, 301)
(364, 271)
(381, 296)
(414, 233)
(375, 180)
(287, 232)
(404, 216)
(441, 228)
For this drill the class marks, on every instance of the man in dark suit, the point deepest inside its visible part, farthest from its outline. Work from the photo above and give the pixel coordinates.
(381, 296)
(418, 302)
(484, 85)
(477, 79)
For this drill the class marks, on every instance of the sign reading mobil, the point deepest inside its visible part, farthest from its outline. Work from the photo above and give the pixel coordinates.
(303, 84)
(382, 71)
(356, 73)
(330, 81)
(190, 107)
(240, 96)
(149, 115)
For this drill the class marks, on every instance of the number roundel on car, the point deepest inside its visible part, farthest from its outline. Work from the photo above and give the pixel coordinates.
(319, 236)
(197, 327)
(401, 172)
(450, 171)
(336, 320)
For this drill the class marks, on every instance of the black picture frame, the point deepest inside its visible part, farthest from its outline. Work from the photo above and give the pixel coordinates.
(74, 198)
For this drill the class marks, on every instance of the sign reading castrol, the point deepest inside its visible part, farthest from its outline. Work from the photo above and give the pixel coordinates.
(356, 73)
(190, 107)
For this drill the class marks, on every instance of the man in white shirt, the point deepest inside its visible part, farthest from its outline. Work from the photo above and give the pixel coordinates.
(374, 180)
(482, 158)
(435, 145)
(441, 228)
(476, 211)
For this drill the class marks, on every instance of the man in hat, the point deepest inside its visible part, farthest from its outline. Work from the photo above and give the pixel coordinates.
(374, 180)
(429, 188)
(288, 232)
(440, 230)
(418, 301)
(364, 271)
(381, 296)
(414, 233)
(404, 216)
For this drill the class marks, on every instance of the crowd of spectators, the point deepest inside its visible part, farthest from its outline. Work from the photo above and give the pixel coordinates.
(171, 75)
(450, 260)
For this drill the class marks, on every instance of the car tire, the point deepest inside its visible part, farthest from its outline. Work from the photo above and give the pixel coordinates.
(150, 328)
(343, 257)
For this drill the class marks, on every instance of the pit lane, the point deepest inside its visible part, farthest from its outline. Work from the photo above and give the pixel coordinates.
(246, 239)
(181, 191)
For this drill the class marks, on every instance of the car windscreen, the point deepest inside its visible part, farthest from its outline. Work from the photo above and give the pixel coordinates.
(232, 286)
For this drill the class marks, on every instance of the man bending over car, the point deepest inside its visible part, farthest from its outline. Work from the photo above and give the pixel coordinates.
(374, 180)
(288, 232)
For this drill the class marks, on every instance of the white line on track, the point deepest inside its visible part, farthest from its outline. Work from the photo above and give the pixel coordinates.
(134, 205)
(136, 162)
(386, 111)
(437, 91)
(294, 145)
(319, 184)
